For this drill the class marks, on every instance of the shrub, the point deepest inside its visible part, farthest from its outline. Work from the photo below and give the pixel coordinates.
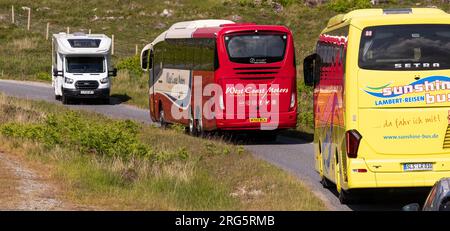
(117, 139)
(44, 76)
(132, 64)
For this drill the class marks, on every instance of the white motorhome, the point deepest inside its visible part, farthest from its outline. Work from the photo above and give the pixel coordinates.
(81, 66)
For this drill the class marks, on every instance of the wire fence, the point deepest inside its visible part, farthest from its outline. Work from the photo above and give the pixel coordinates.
(23, 17)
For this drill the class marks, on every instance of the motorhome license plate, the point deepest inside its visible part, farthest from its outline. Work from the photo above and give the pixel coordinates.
(87, 92)
(409, 167)
(258, 120)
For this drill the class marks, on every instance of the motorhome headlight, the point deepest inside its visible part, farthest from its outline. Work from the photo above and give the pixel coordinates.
(104, 80)
(68, 80)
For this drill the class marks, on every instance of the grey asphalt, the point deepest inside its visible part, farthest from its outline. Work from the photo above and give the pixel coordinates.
(292, 155)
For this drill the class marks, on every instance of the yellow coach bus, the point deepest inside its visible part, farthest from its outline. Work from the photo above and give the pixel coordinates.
(381, 83)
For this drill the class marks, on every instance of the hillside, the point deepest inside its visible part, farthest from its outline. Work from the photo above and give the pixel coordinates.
(25, 54)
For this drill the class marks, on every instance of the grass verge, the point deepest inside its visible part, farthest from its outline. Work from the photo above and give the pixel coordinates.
(103, 163)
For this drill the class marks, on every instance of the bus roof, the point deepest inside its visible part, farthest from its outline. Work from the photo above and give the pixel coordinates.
(209, 28)
(367, 17)
(80, 43)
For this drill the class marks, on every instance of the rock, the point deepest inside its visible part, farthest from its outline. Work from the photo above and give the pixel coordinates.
(277, 7)
(43, 8)
(377, 2)
(166, 13)
(95, 18)
(160, 25)
(236, 18)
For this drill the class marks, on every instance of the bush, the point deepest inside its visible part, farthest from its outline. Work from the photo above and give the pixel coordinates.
(44, 76)
(343, 6)
(117, 139)
(132, 64)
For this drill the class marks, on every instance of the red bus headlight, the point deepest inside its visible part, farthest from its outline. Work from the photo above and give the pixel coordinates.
(353, 138)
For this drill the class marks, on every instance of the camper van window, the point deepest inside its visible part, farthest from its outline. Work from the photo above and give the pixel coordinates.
(84, 43)
(85, 65)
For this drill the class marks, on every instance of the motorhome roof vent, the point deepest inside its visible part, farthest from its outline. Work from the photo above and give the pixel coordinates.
(398, 11)
(84, 43)
(79, 34)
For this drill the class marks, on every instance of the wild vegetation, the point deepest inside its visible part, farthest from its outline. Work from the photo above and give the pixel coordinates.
(119, 164)
(26, 55)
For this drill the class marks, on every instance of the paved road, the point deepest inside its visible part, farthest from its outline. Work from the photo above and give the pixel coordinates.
(292, 155)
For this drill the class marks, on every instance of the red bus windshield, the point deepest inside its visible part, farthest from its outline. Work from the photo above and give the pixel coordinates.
(256, 48)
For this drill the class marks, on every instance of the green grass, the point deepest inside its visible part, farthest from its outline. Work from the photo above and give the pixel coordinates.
(122, 165)
(26, 55)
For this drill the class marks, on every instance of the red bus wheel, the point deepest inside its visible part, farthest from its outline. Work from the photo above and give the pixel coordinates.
(162, 120)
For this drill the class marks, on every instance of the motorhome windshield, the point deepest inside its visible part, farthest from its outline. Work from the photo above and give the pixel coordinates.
(256, 48)
(85, 65)
(405, 47)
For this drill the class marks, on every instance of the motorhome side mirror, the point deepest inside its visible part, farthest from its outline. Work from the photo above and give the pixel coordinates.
(309, 67)
(56, 72)
(113, 73)
(411, 207)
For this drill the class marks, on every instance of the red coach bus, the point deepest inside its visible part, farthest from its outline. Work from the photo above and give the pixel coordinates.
(218, 75)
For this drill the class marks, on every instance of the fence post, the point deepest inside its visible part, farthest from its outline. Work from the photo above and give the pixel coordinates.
(136, 53)
(68, 30)
(48, 28)
(12, 14)
(29, 19)
(89, 31)
(112, 44)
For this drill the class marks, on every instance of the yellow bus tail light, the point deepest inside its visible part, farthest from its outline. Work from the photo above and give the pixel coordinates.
(353, 138)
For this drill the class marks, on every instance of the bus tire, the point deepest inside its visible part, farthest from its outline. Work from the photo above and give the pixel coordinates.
(162, 120)
(325, 182)
(199, 124)
(191, 129)
(346, 198)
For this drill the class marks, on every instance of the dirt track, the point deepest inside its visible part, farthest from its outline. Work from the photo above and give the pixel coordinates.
(23, 189)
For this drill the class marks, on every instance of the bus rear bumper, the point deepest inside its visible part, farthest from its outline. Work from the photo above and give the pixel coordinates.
(391, 179)
(285, 120)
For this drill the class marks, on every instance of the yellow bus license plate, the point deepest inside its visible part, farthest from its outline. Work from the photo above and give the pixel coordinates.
(258, 120)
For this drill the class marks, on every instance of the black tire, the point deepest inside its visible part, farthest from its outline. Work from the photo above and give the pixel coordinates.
(162, 120)
(199, 128)
(106, 101)
(326, 183)
(57, 97)
(65, 100)
(347, 198)
(191, 129)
